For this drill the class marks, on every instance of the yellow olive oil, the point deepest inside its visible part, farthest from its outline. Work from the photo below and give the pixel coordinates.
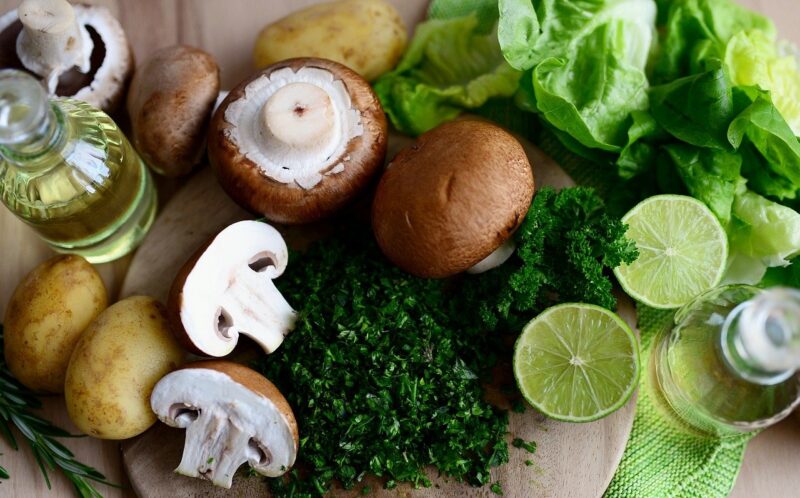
(70, 173)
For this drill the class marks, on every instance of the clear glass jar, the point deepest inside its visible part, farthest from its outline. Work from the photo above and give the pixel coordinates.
(68, 171)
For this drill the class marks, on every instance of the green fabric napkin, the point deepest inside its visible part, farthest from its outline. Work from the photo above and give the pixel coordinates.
(659, 460)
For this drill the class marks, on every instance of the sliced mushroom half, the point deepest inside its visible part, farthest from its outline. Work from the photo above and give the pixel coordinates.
(226, 289)
(232, 415)
(80, 51)
(299, 140)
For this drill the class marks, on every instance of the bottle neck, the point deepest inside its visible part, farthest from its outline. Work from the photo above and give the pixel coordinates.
(40, 139)
(761, 337)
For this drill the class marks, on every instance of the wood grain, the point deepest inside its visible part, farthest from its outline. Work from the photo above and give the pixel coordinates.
(573, 460)
(771, 461)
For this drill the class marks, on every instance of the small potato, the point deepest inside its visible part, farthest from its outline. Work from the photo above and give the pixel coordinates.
(368, 36)
(48, 311)
(115, 366)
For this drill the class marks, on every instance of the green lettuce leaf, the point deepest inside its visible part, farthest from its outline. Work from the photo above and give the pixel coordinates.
(786, 276)
(696, 109)
(586, 64)
(761, 234)
(450, 66)
(639, 154)
(709, 175)
(700, 29)
(776, 172)
(753, 58)
(531, 31)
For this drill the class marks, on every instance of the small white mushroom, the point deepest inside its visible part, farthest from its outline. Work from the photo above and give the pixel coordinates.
(232, 415)
(226, 289)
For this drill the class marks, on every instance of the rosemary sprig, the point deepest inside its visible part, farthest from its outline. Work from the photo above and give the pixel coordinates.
(16, 408)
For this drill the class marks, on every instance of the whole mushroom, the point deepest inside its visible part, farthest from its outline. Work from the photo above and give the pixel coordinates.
(232, 415)
(80, 51)
(170, 102)
(450, 202)
(299, 140)
(226, 289)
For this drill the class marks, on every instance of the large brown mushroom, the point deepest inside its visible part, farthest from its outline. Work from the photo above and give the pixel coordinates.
(170, 102)
(226, 290)
(80, 51)
(451, 201)
(232, 415)
(299, 140)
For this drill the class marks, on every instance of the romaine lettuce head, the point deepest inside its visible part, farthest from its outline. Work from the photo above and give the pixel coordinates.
(753, 58)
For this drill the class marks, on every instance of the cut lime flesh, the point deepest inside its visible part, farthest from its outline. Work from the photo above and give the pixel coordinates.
(683, 250)
(577, 362)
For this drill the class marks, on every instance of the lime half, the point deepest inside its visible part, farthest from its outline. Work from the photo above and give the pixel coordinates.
(577, 362)
(683, 250)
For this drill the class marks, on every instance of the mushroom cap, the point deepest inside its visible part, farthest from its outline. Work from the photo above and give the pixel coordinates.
(170, 102)
(285, 200)
(225, 289)
(111, 58)
(237, 395)
(452, 198)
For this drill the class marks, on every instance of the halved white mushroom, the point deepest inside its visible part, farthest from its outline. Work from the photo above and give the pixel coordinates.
(232, 415)
(79, 51)
(226, 289)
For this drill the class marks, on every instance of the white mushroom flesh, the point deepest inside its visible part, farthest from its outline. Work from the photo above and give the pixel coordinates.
(295, 125)
(230, 291)
(52, 40)
(226, 425)
(496, 258)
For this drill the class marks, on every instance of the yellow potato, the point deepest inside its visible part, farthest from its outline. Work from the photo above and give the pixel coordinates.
(366, 35)
(48, 311)
(115, 366)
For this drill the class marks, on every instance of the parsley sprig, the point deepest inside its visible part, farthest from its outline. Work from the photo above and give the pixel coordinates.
(16, 410)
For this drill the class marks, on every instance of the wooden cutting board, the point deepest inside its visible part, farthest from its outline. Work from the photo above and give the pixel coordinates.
(572, 460)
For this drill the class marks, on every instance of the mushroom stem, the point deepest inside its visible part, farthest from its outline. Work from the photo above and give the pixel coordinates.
(214, 448)
(52, 41)
(300, 115)
(258, 305)
(496, 258)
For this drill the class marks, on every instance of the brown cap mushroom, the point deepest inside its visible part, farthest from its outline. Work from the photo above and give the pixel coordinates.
(170, 102)
(451, 201)
(232, 415)
(80, 51)
(298, 140)
(226, 290)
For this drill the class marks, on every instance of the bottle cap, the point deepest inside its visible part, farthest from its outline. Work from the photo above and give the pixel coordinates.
(770, 329)
(23, 106)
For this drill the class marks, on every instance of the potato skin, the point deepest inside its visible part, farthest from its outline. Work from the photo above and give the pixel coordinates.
(47, 314)
(368, 36)
(115, 366)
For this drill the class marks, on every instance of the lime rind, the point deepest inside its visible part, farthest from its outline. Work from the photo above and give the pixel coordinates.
(577, 362)
(683, 251)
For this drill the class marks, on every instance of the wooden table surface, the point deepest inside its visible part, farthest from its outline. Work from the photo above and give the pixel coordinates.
(227, 29)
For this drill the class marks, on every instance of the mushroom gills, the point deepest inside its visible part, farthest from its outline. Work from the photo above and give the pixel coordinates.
(496, 258)
(301, 121)
(227, 424)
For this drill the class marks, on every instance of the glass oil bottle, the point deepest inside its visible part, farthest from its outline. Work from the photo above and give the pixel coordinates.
(729, 362)
(68, 171)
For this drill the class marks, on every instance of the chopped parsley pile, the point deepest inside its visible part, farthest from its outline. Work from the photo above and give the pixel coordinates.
(385, 371)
